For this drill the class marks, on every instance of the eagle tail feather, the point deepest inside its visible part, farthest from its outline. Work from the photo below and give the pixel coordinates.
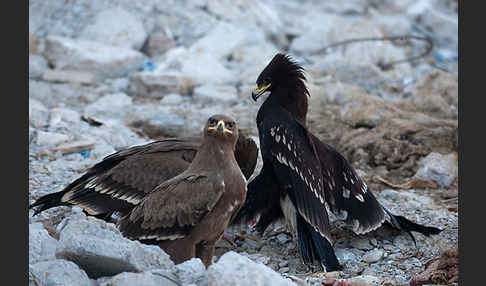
(48, 201)
(402, 223)
(313, 246)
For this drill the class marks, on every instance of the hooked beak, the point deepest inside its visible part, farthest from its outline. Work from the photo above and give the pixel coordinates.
(220, 127)
(258, 91)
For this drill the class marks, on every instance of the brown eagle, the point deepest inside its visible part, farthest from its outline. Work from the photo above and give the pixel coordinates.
(121, 180)
(302, 177)
(187, 215)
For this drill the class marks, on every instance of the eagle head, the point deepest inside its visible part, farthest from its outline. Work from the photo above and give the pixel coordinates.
(281, 73)
(222, 127)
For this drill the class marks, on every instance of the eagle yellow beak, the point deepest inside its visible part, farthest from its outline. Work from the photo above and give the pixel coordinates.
(257, 91)
(220, 127)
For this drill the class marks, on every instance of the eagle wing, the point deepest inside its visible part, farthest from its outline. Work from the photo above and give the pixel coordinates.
(287, 147)
(346, 193)
(172, 209)
(122, 179)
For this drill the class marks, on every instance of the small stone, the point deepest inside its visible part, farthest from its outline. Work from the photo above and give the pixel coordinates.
(217, 93)
(345, 256)
(116, 27)
(441, 168)
(374, 242)
(283, 238)
(63, 117)
(146, 278)
(171, 99)
(159, 43)
(158, 84)
(235, 269)
(373, 255)
(69, 76)
(109, 106)
(42, 246)
(100, 59)
(50, 138)
(90, 243)
(37, 65)
(38, 113)
(192, 271)
(284, 270)
(283, 264)
(57, 272)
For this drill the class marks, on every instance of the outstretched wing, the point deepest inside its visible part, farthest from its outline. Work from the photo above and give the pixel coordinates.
(346, 193)
(173, 208)
(286, 145)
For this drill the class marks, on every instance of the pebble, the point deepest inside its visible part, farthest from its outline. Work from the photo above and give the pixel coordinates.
(373, 255)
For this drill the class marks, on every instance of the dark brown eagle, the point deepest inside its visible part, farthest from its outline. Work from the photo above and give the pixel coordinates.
(302, 177)
(187, 215)
(121, 180)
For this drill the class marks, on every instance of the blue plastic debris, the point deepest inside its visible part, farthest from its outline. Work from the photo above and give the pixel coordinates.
(85, 153)
(147, 65)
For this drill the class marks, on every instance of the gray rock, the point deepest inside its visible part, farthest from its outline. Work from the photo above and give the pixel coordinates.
(407, 199)
(235, 269)
(284, 238)
(49, 139)
(346, 256)
(109, 107)
(192, 272)
(57, 272)
(37, 65)
(216, 93)
(146, 278)
(100, 249)
(116, 27)
(373, 256)
(171, 99)
(228, 37)
(71, 18)
(159, 83)
(155, 121)
(189, 62)
(159, 43)
(441, 168)
(42, 246)
(38, 113)
(61, 117)
(69, 76)
(100, 59)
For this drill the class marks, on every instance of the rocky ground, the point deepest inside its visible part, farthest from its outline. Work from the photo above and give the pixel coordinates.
(105, 75)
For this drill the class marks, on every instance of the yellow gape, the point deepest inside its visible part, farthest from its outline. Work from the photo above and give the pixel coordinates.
(221, 126)
(259, 91)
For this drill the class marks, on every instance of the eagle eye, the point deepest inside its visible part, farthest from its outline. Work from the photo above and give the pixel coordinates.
(212, 121)
(230, 124)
